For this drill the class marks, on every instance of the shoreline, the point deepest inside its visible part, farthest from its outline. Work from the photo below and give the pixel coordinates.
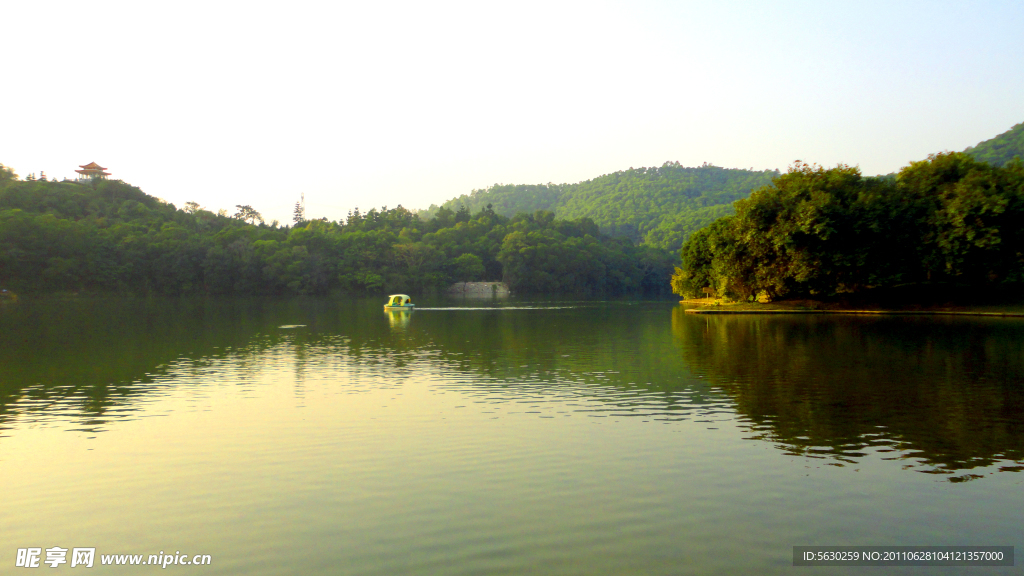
(861, 312)
(814, 307)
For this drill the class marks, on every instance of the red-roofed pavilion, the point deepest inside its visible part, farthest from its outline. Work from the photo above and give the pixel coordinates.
(93, 170)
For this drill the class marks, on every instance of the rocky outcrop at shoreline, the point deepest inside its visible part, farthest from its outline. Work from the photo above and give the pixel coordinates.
(478, 289)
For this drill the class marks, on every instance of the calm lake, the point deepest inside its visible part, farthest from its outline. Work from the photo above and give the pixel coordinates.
(513, 437)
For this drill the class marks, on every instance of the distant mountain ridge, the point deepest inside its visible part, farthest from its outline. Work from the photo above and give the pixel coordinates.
(1000, 150)
(661, 206)
(657, 206)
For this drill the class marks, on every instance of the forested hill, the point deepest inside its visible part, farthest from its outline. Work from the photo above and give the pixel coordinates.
(1000, 150)
(658, 206)
(107, 236)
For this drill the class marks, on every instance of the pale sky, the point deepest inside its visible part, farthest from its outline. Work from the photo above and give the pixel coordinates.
(385, 103)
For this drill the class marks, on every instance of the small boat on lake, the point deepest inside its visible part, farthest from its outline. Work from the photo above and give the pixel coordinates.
(399, 302)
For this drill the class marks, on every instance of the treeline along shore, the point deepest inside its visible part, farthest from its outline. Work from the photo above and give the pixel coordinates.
(106, 236)
(948, 221)
(953, 222)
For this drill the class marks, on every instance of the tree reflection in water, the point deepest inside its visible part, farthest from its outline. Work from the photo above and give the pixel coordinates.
(942, 393)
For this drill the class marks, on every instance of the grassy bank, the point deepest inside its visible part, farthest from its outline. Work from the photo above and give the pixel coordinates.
(819, 307)
(915, 299)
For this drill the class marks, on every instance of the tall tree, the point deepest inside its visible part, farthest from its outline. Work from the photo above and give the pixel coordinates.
(7, 175)
(248, 214)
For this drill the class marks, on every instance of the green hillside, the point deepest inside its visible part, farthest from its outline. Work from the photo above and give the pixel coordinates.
(106, 236)
(658, 206)
(1000, 150)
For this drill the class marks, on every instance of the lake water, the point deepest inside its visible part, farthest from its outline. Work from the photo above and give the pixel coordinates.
(514, 437)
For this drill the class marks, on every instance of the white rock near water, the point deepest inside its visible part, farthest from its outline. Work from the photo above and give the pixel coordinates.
(478, 289)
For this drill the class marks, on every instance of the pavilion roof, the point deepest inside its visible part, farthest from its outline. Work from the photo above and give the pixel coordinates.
(92, 166)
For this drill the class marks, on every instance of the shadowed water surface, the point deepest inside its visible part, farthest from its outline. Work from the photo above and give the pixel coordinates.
(550, 437)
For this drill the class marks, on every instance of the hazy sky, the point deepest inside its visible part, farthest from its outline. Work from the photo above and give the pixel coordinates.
(385, 103)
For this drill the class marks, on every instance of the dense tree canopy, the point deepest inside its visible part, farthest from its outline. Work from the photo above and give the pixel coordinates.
(657, 206)
(817, 231)
(6, 175)
(109, 236)
(952, 218)
(999, 151)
